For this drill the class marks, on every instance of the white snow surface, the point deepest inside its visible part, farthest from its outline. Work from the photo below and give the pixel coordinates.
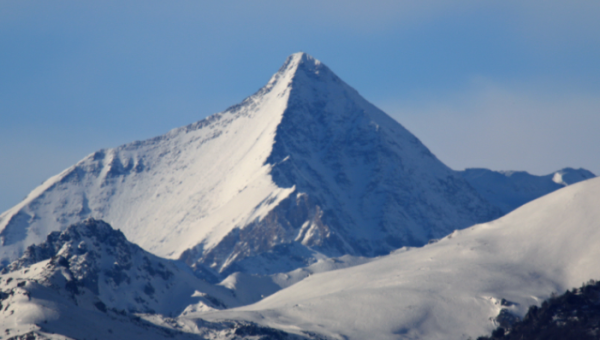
(451, 289)
(47, 311)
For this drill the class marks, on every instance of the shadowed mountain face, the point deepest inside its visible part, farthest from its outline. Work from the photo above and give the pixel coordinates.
(363, 184)
(509, 190)
(304, 168)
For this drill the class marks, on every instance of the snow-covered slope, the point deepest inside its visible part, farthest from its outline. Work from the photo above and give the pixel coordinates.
(304, 169)
(34, 310)
(454, 288)
(509, 190)
(90, 282)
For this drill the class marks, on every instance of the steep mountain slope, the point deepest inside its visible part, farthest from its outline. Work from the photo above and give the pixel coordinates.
(509, 190)
(304, 169)
(90, 282)
(454, 288)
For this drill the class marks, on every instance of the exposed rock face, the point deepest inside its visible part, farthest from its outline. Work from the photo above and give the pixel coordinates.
(89, 282)
(92, 257)
(304, 168)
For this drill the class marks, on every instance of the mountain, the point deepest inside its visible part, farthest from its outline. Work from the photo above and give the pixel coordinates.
(88, 281)
(509, 190)
(303, 169)
(90, 258)
(462, 286)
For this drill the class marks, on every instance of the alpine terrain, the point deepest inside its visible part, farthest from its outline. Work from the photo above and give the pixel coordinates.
(304, 169)
(461, 287)
(90, 282)
(303, 212)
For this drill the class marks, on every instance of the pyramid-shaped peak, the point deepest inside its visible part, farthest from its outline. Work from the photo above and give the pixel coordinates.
(305, 164)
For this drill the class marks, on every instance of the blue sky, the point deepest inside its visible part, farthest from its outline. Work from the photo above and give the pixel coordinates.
(507, 85)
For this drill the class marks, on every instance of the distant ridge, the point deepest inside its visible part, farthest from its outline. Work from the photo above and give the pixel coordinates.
(509, 190)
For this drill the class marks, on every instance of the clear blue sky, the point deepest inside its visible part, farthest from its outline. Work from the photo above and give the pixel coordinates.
(507, 85)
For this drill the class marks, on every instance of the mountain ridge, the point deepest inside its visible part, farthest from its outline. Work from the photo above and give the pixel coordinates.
(508, 190)
(89, 281)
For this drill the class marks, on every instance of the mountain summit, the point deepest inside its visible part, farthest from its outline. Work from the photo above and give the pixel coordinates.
(304, 168)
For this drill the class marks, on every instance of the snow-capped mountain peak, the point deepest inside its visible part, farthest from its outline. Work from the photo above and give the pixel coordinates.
(305, 168)
(300, 173)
